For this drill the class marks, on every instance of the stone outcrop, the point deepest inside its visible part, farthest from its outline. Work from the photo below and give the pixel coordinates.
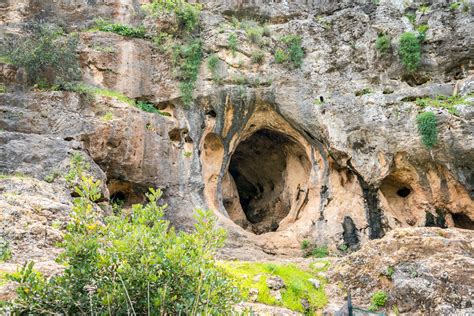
(421, 269)
(328, 153)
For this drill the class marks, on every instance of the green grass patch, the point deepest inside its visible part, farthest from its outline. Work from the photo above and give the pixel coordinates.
(93, 91)
(250, 275)
(444, 102)
(120, 29)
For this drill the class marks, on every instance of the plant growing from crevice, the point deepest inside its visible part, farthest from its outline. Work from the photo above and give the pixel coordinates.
(187, 60)
(186, 14)
(120, 29)
(378, 300)
(443, 102)
(290, 51)
(232, 43)
(382, 44)
(427, 128)
(212, 65)
(47, 54)
(257, 57)
(410, 51)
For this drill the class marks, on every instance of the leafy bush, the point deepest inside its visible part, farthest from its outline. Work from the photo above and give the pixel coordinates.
(3, 89)
(291, 51)
(410, 51)
(186, 14)
(305, 244)
(378, 300)
(280, 56)
(257, 57)
(320, 252)
(382, 44)
(364, 91)
(120, 29)
(187, 59)
(427, 128)
(47, 54)
(232, 42)
(129, 264)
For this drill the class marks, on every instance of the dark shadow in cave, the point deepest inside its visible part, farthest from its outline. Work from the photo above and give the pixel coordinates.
(259, 168)
(463, 221)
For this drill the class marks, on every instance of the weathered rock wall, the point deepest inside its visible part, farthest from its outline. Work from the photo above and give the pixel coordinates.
(368, 170)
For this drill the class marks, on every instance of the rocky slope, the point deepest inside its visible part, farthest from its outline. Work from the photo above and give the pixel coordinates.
(328, 152)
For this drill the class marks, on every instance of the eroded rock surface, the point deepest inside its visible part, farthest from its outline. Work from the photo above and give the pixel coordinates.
(328, 153)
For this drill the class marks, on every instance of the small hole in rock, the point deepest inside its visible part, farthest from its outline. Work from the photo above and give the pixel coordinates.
(211, 113)
(403, 192)
(117, 197)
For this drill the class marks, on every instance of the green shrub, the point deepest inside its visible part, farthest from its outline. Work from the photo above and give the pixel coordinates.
(382, 44)
(305, 244)
(120, 29)
(254, 31)
(5, 251)
(427, 128)
(410, 51)
(147, 107)
(232, 43)
(411, 17)
(257, 57)
(423, 9)
(129, 264)
(294, 49)
(3, 89)
(280, 56)
(47, 54)
(378, 300)
(320, 252)
(390, 271)
(186, 14)
(187, 59)
(212, 64)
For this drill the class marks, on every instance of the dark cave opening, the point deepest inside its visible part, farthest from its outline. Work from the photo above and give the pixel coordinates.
(463, 221)
(260, 167)
(403, 192)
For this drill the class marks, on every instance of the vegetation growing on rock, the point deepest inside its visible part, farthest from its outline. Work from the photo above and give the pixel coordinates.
(120, 29)
(297, 287)
(290, 51)
(410, 51)
(427, 127)
(133, 263)
(47, 54)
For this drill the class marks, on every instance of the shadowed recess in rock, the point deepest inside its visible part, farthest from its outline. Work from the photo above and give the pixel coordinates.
(266, 168)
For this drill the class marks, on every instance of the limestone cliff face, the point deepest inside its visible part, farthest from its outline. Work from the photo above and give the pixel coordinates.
(328, 152)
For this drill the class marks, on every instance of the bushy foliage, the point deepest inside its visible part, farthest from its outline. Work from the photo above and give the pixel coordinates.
(133, 264)
(47, 54)
(147, 107)
(186, 14)
(290, 51)
(187, 59)
(121, 29)
(382, 44)
(378, 300)
(427, 127)
(410, 51)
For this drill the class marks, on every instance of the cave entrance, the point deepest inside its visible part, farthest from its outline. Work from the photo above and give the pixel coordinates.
(268, 170)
